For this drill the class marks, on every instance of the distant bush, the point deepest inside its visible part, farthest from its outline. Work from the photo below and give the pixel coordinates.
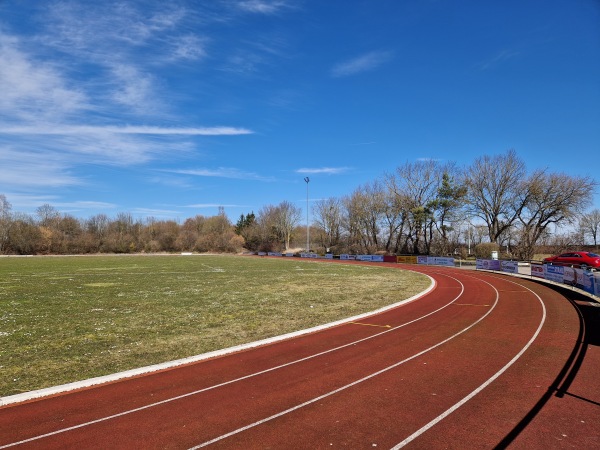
(484, 250)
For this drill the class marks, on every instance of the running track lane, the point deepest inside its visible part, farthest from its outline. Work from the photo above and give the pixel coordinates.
(460, 367)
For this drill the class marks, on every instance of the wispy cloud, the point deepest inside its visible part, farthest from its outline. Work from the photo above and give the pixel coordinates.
(363, 63)
(33, 89)
(188, 47)
(263, 6)
(497, 59)
(155, 212)
(212, 205)
(223, 172)
(30, 170)
(52, 129)
(324, 170)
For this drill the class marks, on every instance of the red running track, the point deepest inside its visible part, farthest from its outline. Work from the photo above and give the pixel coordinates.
(482, 361)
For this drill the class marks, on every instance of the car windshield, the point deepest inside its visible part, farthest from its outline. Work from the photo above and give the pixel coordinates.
(593, 255)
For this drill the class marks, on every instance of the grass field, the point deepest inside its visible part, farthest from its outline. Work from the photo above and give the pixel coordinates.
(65, 319)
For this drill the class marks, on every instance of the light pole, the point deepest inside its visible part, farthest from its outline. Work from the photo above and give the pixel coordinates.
(307, 225)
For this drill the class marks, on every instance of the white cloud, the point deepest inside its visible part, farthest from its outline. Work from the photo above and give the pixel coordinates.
(33, 89)
(263, 6)
(324, 170)
(188, 47)
(85, 204)
(153, 212)
(213, 205)
(222, 172)
(108, 28)
(57, 129)
(363, 63)
(29, 170)
(134, 89)
(497, 59)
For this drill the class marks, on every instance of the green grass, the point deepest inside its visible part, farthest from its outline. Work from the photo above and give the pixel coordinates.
(65, 319)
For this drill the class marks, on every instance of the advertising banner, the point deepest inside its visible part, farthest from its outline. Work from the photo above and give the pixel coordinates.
(371, 258)
(586, 281)
(554, 273)
(583, 279)
(347, 257)
(275, 254)
(537, 270)
(569, 276)
(487, 264)
(442, 261)
(406, 259)
(436, 260)
(510, 266)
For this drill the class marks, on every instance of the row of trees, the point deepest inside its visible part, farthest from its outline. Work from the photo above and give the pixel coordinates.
(423, 207)
(51, 232)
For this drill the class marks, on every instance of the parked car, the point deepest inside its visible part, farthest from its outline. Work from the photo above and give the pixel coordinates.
(576, 259)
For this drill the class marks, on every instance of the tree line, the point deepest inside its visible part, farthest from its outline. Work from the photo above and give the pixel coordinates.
(422, 207)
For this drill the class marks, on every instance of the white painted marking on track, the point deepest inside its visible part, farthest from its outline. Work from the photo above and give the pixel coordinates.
(347, 386)
(449, 411)
(192, 359)
(189, 394)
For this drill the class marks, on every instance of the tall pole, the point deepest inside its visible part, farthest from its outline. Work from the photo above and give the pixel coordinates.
(307, 225)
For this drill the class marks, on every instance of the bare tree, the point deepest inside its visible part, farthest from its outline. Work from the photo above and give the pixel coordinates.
(590, 225)
(48, 215)
(266, 229)
(495, 187)
(97, 227)
(550, 199)
(327, 216)
(364, 212)
(23, 235)
(5, 219)
(286, 218)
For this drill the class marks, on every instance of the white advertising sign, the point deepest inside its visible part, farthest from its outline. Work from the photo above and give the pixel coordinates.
(443, 261)
(554, 273)
(537, 270)
(488, 264)
(509, 266)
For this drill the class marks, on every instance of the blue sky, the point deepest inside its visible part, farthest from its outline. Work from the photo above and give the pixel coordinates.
(172, 109)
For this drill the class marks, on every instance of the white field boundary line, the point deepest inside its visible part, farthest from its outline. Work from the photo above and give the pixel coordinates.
(449, 411)
(354, 383)
(39, 393)
(189, 394)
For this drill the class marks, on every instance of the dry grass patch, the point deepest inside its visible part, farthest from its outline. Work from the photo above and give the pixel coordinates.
(64, 319)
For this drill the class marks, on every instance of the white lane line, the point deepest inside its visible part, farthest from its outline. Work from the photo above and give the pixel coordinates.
(449, 411)
(354, 383)
(40, 393)
(189, 394)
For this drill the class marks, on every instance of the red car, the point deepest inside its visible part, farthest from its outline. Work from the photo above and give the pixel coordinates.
(576, 259)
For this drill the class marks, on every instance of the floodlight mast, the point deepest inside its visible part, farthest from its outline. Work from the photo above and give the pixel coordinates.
(307, 225)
